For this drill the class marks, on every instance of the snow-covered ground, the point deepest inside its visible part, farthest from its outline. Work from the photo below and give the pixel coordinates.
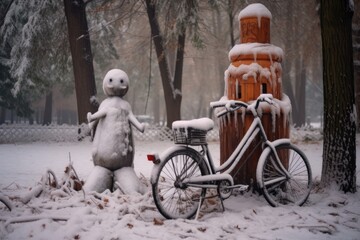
(328, 214)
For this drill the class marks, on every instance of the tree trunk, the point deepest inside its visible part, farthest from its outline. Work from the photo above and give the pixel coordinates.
(299, 115)
(287, 64)
(2, 115)
(339, 154)
(48, 109)
(356, 47)
(172, 88)
(230, 7)
(81, 57)
(156, 102)
(219, 53)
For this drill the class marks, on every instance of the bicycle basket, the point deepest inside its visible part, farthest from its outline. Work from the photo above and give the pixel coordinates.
(189, 136)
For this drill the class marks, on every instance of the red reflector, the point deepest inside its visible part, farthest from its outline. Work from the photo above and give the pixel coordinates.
(151, 157)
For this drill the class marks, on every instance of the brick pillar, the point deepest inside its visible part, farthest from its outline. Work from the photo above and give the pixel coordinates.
(255, 69)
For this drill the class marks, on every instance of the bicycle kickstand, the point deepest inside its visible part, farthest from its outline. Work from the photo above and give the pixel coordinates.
(199, 208)
(221, 199)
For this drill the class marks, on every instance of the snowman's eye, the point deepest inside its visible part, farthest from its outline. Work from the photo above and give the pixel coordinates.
(121, 81)
(110, 80)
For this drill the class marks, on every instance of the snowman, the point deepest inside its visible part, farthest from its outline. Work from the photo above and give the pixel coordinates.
(113, 146)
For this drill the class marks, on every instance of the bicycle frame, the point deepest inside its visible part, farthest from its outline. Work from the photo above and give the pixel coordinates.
(255, 128)
(222, 173)
(235, 157)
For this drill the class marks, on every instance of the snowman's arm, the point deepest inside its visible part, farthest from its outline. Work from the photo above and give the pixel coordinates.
(96, 116)
(139, 126)
(92, 124)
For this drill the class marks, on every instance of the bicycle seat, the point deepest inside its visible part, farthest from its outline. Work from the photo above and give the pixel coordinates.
(205, 124)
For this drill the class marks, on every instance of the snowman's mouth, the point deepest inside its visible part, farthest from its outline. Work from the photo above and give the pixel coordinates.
(120, 91)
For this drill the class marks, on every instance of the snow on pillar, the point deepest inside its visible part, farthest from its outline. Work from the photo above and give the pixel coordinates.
(255, 69)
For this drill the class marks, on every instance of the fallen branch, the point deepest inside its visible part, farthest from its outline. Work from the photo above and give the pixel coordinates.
(320, 228)
(76, 175)
(24, 219)
(6, 202)
(62, 190)
(34, 192)
(56, 183)
(13, 183)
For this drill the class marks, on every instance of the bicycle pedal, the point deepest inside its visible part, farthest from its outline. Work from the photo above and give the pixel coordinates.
(241, 187)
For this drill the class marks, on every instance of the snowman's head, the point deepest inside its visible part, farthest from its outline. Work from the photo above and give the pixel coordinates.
(116, 83)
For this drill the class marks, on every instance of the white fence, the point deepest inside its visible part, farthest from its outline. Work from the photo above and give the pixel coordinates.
(17, 133)
(22, 133)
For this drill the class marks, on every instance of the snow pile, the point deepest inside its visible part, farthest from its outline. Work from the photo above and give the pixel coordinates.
(204, 124)
(255, 10)
(329, 214)
(306, 134)
(256, 49)
(254, 70)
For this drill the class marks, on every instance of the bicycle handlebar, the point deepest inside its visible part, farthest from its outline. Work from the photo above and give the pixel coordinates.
(233, 105)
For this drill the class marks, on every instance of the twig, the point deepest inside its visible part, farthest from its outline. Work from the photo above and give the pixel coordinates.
(320, 228)
(323, 221)
(347, 211)
(36, 191)
(6, 201)
(98, 205)
(33, 219)
(13, 183)
(50, 172)
(118, 185)
(77, 177)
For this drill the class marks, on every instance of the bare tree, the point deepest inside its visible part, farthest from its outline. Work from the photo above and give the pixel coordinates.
(48, 109)
(172, 83)
(339, 154)
(81, 57)
(172, 86)
(292, 32)
(356, 47)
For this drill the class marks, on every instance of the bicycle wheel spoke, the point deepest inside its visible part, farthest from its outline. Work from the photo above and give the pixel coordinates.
(276, 181)
(173, 198)
(185, 170)
(291, 188)
(169, 173)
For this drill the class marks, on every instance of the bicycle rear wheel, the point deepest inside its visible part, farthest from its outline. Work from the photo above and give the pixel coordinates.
(280, 188)
(173, 198)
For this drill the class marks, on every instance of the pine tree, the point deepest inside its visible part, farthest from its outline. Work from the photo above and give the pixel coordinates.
(34, 55)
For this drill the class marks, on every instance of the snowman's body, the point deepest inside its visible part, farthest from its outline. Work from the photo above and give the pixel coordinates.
(113, 145)
(113, 150)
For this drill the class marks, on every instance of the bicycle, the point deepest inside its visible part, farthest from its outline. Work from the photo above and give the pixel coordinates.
(181, 176)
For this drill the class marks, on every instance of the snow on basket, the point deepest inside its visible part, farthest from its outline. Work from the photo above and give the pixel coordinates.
(192, 132)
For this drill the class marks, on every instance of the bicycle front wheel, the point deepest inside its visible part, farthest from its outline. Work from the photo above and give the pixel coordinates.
(280, 188)
(172, 197)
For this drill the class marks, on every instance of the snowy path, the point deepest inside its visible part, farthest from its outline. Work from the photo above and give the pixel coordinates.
(328, 215)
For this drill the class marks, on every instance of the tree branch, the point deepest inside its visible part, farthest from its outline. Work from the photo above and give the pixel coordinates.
(6, 11)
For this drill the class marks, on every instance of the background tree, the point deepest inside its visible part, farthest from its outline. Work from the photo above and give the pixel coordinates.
(356, 47)
(339, 154)
(81, 57)
(299, 37)
(27, 29)
(186, 16)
